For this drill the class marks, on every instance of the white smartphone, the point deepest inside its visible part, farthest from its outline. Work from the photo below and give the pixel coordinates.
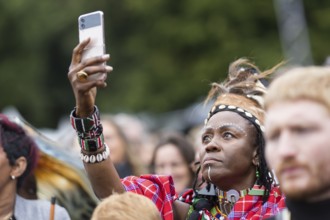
(91, 25)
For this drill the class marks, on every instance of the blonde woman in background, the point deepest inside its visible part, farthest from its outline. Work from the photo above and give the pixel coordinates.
(128, 206)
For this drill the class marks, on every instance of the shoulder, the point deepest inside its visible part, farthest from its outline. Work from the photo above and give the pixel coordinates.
(37, 209)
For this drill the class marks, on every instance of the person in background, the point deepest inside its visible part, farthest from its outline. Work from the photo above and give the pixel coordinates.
(174, 155)
(298, 140)
(194, 135)
(239, 183)
(122, 154)
(139, 135)
(128, 206)
(29, 188)
(18, 158)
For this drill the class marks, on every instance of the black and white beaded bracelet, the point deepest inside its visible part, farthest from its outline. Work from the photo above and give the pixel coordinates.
(96, 158)
(84, 125)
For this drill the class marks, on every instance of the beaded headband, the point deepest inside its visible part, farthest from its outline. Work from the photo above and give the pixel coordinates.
(245, 114)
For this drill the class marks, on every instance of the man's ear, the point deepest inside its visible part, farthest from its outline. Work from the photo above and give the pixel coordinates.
(255, 159)
(19, 167)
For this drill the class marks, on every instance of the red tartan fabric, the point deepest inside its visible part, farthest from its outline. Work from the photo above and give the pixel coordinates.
(160, 189)
(251, 207)
(247, 208)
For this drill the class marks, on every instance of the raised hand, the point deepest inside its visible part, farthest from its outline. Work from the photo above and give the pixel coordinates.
(85, 77)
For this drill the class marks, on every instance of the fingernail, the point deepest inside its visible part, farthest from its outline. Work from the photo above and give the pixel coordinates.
(106, 56)
(108, 68)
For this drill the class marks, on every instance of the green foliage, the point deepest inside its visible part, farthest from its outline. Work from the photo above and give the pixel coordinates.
(164, 53)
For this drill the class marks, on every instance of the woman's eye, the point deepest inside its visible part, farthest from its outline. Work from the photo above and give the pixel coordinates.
(227, 135)
(206, 139)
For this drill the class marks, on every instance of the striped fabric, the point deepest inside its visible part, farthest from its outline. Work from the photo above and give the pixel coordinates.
(251, 207)
(84, 125)
(160, 189)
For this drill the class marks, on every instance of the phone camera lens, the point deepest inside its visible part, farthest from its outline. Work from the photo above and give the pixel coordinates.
(82, 26)
(82, 20)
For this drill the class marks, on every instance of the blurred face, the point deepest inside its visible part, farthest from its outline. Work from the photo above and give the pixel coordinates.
(115, 143)
(298, 148)
(169, 161)
(5, 169)
(228, 152)
(195, 166)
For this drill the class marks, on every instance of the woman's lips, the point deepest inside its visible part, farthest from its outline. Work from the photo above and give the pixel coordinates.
(210, 160)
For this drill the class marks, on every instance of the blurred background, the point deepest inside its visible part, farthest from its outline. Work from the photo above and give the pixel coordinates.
(164, 53)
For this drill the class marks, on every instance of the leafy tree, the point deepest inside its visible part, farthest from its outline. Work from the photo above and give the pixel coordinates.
(164, 53)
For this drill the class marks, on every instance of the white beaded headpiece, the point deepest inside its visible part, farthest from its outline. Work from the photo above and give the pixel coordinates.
(245, 114)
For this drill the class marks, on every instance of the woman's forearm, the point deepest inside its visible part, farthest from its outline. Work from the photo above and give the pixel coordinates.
(104, 178)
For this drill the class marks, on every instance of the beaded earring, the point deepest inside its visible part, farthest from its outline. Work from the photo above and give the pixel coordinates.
(257, 174)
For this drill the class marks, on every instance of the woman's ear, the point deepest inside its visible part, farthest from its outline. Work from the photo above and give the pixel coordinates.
(19, 167)
(255, 159)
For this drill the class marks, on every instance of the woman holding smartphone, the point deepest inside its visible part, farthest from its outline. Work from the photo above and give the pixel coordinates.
(232, 163)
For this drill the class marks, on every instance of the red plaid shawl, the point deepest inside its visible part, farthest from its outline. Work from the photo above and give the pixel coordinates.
(252, 208)
(160, 190)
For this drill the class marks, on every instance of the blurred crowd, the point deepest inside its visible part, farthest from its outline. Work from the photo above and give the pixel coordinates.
(135, 147)
(222, 168)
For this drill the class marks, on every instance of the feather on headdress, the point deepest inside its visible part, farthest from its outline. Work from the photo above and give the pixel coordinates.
(244, 88)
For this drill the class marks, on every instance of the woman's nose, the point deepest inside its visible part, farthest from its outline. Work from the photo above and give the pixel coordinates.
(167, 170)
(212, 146)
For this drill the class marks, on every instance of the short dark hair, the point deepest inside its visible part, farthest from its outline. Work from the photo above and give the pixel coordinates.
(16, 143)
